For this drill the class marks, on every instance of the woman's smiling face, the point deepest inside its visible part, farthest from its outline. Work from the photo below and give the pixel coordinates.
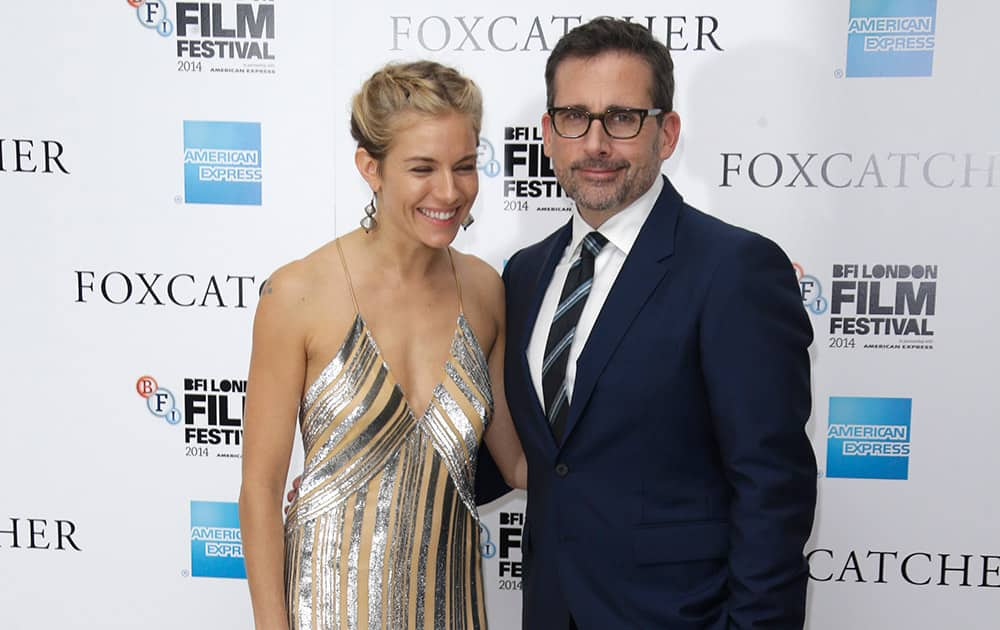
(428, 181)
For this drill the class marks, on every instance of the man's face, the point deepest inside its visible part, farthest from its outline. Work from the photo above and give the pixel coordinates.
(602, 174)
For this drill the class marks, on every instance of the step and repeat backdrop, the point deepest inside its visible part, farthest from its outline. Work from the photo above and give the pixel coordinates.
(158, 159)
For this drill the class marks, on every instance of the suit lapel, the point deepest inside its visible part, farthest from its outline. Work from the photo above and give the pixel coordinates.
(645, 267)
(541, 281)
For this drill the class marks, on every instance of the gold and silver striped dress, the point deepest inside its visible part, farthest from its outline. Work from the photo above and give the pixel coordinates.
(384, 532)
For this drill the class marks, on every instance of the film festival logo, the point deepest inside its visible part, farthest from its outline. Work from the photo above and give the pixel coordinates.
(868, 438)
(891, 38)
(222, 163)
(218, 37)
(211, 411)
(883, 306)
(529, 181)
(216, 542)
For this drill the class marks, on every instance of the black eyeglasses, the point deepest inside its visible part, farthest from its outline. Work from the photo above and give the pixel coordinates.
(620, 123)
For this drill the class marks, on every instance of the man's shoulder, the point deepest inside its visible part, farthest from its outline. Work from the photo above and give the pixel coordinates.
(702, 224)
(703, 232)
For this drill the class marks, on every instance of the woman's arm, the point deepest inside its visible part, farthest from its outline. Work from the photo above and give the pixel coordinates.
(277, 371)
(501, 436)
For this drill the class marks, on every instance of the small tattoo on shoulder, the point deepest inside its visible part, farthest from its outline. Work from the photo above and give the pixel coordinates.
(267, 289)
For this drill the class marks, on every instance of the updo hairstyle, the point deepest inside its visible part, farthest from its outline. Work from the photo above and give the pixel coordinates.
(426, 87)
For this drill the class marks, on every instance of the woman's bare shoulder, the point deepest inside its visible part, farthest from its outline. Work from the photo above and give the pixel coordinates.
(477, 271)
(481, 283)
(300, 285)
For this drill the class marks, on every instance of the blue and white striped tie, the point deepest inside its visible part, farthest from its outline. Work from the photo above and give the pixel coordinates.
(571, 301)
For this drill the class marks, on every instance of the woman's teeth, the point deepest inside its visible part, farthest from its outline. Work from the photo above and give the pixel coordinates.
(440, 215)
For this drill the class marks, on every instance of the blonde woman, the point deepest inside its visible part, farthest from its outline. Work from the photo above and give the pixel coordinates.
(387, 345)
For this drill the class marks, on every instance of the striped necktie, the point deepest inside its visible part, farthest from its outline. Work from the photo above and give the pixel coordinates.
(571, 301)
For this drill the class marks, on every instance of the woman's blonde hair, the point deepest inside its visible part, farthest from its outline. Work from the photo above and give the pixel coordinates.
(426, 87)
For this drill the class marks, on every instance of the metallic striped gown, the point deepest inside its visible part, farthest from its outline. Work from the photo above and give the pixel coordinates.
(384, 532)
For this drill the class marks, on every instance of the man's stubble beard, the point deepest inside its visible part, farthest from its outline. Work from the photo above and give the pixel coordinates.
(601, 199)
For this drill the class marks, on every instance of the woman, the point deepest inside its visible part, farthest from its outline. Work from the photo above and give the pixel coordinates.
(385, 342)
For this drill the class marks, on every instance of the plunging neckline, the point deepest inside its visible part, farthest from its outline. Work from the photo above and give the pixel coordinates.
(370, 335)
(442, 371)
(396, 385)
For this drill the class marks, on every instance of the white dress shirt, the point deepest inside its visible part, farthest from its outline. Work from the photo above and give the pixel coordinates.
(621, 230)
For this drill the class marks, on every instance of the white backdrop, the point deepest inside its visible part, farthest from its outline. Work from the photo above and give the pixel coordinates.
(119, 269)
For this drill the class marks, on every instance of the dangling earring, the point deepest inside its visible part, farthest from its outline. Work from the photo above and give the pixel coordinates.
(469, 220)
(368, 222)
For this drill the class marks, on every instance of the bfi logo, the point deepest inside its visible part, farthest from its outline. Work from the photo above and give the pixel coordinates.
(159, 401)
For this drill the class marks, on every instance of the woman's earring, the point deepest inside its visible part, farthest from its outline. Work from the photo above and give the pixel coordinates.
(368, 221)
(469, 220)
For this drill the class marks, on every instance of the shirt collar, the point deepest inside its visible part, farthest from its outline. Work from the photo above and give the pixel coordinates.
(622, 229)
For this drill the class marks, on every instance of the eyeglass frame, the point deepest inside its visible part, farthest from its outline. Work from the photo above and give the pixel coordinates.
(591, 117)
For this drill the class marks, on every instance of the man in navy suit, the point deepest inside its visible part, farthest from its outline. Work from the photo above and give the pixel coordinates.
(657, 373)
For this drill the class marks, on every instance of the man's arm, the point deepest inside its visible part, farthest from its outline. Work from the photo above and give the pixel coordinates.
(754, 338)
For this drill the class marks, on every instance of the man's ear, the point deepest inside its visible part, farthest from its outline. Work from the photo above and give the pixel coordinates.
(546, 133)
(670, 132)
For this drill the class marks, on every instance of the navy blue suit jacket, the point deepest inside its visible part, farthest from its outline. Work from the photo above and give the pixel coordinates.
(684, 488)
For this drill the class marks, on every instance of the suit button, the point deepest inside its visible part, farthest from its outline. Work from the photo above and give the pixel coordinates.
(562, 470)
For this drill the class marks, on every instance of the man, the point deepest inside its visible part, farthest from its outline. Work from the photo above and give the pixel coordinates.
(658, 375)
